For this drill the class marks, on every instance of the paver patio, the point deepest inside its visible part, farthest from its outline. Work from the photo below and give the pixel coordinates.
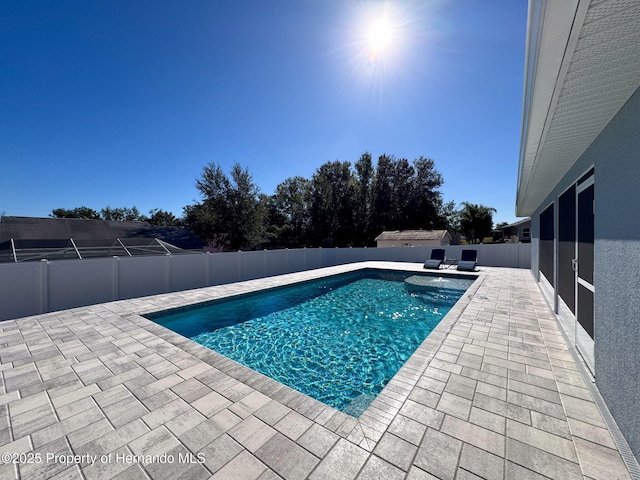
(100, 392)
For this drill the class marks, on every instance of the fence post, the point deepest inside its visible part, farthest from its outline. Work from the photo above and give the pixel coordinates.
(115, 278)
(207, 268)
(167, 285)
(44, 286)
(264, 257)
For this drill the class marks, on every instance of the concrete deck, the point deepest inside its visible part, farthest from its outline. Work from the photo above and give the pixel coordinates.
(100, 392)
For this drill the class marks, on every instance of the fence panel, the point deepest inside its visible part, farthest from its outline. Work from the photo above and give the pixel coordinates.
(297, 260)
(38, 287)
(278, 262)
(524, 255)
(23, 289)
(189, 271)
(350, 255)
(313, 258)
(142, 276)
(253, 264)
(225, 268)
(75, 283)
(373, 254)
(500, 255)
(410, 254)
(328, 257)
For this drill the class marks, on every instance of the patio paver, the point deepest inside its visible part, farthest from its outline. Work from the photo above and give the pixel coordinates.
(493, 393)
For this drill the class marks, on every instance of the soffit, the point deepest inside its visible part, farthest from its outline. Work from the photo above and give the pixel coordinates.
(583, 64)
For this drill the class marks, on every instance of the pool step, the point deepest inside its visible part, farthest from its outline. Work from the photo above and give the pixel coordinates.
(358, 405)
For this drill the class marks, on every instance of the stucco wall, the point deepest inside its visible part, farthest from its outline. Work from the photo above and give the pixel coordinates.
(615, 154)
(617, 267)
(535, 244)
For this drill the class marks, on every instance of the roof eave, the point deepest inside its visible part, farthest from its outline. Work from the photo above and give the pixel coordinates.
(552, 32)
(581, 69)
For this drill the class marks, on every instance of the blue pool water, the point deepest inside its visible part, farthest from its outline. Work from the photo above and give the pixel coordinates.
(339, 339)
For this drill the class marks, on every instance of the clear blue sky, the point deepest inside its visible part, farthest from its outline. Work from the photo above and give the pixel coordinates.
(123, 103)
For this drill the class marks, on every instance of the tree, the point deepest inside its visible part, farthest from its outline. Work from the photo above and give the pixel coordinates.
(202, 220)
(160, 218)
(207, 219)
(426, 208)
(449, 217)
(157, 217)
(383, 195)
(498, 233)
(406, 196)
(79, 212)
(402, 195)
(122, 214)
(338, 206)
(364, 200)
(289, 211)
(332, 194)
(232, 213)
(476, 221)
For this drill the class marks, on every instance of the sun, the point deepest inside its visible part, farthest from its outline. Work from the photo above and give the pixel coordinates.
(379, 39)
(379, 35)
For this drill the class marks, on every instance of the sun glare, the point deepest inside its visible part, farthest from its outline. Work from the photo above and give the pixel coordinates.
(380, 35)
(380, 39)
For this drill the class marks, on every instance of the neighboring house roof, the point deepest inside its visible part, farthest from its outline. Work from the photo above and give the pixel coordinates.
(31, 228)
(581, 67)
(517, 224)
(412, 235)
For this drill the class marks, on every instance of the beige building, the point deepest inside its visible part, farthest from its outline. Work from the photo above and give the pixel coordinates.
(413, 238)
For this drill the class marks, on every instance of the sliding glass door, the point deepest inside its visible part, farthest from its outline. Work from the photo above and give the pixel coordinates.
(584, 266)
(567, 248)
(567, 259)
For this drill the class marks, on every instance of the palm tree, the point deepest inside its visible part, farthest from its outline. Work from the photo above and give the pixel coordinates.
(476, 221)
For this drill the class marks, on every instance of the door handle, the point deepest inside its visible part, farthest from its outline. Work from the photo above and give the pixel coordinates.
(574, 264)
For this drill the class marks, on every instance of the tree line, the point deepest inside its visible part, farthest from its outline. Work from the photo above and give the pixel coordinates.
(341, 205)
(156, 217)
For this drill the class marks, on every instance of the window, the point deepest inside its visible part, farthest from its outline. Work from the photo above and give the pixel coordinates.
(526, 232)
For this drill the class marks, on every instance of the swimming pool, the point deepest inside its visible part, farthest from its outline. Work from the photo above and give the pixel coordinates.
(339, 339)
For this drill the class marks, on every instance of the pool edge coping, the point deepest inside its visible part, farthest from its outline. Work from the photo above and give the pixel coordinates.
(364, 431)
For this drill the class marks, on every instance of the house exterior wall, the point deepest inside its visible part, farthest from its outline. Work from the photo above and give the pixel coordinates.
(617, 257)
(615, 156)
(524, 232)
(518, 233)
(535, 244)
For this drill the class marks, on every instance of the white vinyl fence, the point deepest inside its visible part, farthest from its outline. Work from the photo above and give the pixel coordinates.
(32, 288)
